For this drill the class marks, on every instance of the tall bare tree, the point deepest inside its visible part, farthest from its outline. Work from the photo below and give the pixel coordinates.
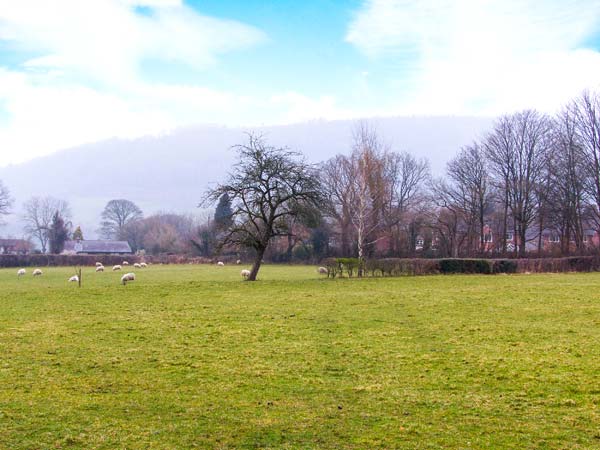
(371, 190)
(367, 189)
(517, 150)
(336, 179)
(565, 194)
(585, 111)
(37, 216)
(266, 187)
(469, 189)
(405, 178)
(117, 214)
(6, 201)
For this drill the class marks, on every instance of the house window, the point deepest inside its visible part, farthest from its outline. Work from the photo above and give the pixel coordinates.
(554, 238)
(488, 238)
(420, 243)
(509, 235)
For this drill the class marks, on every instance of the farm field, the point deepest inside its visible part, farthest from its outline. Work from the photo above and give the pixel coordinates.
(192, 357)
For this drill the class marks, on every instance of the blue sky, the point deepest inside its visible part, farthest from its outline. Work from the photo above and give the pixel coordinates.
(75, 71)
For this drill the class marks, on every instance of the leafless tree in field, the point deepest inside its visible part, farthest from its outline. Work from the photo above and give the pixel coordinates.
(266, 187)
(37, 216)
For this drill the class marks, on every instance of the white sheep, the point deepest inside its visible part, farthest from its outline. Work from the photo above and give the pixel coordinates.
(37, 272)
(100, 269)
(98, 264)
(74, 279)
(137, 265)
(323, 270)
(245, 273)
(125, 263)
(117, 267)
(238, 262)
(143, 265)
(220, 264)
(21, 272)
(127, 277)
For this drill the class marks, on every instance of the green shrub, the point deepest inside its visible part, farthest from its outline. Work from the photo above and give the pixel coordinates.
(456, 265)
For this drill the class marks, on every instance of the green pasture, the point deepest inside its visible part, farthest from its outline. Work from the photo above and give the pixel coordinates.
(191, 356)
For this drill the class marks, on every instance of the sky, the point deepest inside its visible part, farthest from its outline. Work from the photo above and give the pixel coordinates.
(74, 72)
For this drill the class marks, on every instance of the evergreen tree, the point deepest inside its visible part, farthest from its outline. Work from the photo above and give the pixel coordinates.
(58, 233)
(77, 234)
(223, 213)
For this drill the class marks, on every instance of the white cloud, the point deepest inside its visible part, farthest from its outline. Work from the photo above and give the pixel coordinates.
(107, 40)
(84, 80)
(483, 57)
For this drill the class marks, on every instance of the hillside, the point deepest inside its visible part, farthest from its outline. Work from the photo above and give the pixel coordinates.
(170, 172)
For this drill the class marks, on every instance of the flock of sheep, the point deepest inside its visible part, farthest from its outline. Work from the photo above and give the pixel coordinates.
(130, 276)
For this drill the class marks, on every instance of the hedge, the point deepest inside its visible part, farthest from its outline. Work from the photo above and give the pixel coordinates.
(340, 267)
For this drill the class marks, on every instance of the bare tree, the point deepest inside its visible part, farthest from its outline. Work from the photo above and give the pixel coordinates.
(405, 177)
(367, 189)
(517, 149)
(371, 190)
(267, 186)
(565, 193)
(6, 201)
(336, 179)
(468, 189)
(448, 218)
(117, 214)
(585, 111)
(37, 216)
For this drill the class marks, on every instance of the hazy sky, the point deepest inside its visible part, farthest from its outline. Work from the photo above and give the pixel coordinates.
(77, 71)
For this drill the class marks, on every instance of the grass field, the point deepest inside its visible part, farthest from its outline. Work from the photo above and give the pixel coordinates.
(191, 357)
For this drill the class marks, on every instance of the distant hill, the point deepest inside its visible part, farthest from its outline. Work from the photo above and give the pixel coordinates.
(171, 172)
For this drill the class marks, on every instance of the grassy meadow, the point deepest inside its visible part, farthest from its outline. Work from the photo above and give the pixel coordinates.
(192, 357)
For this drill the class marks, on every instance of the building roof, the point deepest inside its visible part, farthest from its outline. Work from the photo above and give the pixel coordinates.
(97, 247)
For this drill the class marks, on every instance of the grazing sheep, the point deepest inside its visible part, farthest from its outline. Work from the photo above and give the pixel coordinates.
(74, 279)
(21, 272)
(245, 273)
(238, 262)
(100, 269)
(37, 272)
(220, 264)
(117, 267)
(98, 264)
(125, 263)
(137, 265)
(143, 265)
(323, 270)
(127, 277)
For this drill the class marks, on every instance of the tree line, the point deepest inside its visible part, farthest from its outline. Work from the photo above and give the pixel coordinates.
(530, 184)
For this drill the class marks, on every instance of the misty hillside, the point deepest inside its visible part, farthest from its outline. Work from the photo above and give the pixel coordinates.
(170, 172)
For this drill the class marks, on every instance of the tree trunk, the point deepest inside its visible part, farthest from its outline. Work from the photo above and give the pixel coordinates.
(257, 262)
